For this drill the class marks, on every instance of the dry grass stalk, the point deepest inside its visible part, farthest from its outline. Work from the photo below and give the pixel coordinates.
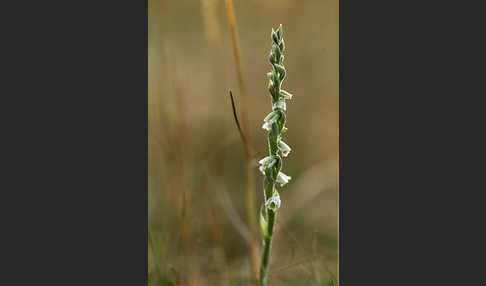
(250, 179)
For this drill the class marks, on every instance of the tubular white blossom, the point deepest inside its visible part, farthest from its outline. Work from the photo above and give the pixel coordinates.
(266, 126)
(285, 94)
(269, 120)
(271, 117)
(262, 169)
(272, 162)
(280, 104)
(284, 148)
(283, 179)
(265, 160)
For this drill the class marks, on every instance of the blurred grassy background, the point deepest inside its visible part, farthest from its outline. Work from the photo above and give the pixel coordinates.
(197, 216)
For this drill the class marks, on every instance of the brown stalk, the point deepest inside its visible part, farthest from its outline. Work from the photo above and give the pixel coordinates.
(242, 135)
(250, 200)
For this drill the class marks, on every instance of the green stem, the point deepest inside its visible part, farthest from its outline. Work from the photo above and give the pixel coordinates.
(266, 249)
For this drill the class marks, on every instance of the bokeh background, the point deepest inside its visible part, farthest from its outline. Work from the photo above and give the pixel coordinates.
(198, 233)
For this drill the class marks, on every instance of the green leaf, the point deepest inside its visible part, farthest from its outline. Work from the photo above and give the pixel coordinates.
(268, 183)
(263, 223)
(275, 37)
(281, 121)
(282, 45)
(280, 68)
(279, 31)
(275, 192)
(276, 168)
(271, 58)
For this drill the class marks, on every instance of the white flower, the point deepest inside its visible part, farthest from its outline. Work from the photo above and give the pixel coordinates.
(285, 94)
(271, 117)
(269, 120)
(262, 169)
(273, 203)
(284, 148)
(266, 126)
(266, 162)
(283, 179)
(280, 104)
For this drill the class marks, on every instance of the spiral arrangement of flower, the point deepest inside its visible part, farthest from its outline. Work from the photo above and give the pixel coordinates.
(271, 165)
